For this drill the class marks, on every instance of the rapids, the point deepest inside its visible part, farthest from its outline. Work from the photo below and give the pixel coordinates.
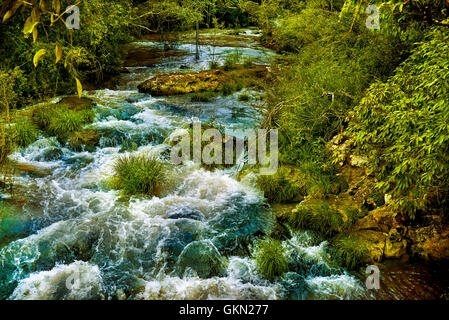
(79, 239)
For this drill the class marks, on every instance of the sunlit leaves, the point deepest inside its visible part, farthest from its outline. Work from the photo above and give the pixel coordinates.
(58, 52)
(79, 88)
(38, 56)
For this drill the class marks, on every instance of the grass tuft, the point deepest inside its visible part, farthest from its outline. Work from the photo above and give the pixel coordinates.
(277, 188)
(271, 258)
(348, 251)
(24, 133)
(316, 217)
(139, 174)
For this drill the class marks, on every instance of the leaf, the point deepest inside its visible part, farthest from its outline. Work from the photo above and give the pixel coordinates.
(7, 15)
(79, 87)
(58, 52)
(29, 25)
(56, 4)
(34, 34)
(38, 55)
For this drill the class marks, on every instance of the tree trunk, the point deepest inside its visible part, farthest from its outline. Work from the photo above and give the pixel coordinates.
(197, 53)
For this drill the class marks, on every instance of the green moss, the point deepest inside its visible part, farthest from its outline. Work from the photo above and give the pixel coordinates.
(139, 174)
(348, 251)
(24, 133)
(203, 96)
(277, 188)
(317, 217)
(271, 258)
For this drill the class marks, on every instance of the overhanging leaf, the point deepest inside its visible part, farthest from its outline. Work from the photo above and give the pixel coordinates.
(38, 56)
(7, 15)
(79, 88)
(34, 34)
(58, 52)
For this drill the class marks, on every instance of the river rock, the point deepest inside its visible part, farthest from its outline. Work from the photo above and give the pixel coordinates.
(430, 243)
(203, 258)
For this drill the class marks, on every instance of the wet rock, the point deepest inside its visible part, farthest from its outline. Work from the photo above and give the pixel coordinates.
(430, 243)
(395, 249)
(50, 154)
(203, 258)
(186, 213)
(34, 171)
(380, 219)
(374, 241)
(358, 161)
(86, 140)
(76, 104)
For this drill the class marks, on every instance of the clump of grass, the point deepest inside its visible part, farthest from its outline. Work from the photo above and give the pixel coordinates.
(316, 217)
(59, 120)
(231, 61)
(277, 188)
(244, 97)
(348, 251)
(203, 96)
(271, 258)
(24, 133)
(213, 64)
(248, 62)
(228, 89)
(139, 174)
(65, 121)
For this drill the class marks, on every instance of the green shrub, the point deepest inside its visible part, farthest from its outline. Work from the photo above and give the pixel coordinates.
(271, 258)
(277, 188)
(401, 125)
(204, 96)
(24, 133)
(348, 251)
(317, 217)
(139, 174)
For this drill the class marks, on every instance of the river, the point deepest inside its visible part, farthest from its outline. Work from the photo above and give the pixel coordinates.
(77, 238)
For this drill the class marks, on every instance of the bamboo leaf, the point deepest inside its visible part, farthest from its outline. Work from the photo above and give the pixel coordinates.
(29, 25)
(79, 88)
(56, 4)
(34, 34)
(58, 52)
(38, 56)
(7, 15)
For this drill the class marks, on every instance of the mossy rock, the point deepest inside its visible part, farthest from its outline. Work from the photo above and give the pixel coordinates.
(86, 140)
(77, 104)
(202, 257)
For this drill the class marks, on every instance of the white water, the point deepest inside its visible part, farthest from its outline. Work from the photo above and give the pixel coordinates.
(140, 248)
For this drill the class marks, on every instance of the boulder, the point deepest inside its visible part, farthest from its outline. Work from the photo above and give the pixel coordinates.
(203, 258)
